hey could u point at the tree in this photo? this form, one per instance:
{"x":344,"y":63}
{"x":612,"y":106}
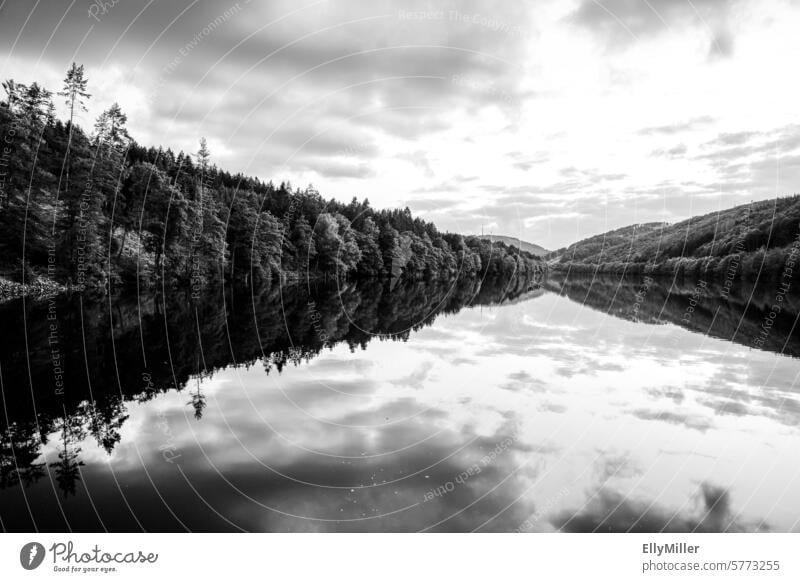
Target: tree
{"x":24,"y":215}
{"x":349,"y":254}
{"x":35,"y":104}
{"x":75,"y":94}
{"x":141,"y":180}
{"x":389,"y":242}
{"x":266,"y":245}
{"x":337,"y":249}
{"x":109,"y":170}
{"x":198,"y":401}
{"x":301,"y":242}
{"x":203,"y":159}
{"x":106,"y":420}
{"x":327,"y":241}
{"x":19,"y":450}
{"x":14,"y":92}
{"x":74,"y":91}
{"x":167,"y":233}
{"x":67,"y":469}
{"x":110,"y":129}
{"x":203,"y":155}
{"x":371,"y":264}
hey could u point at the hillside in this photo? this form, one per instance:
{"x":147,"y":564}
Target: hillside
{"x":739,"y":242}
{"x":620,"y":240}
{"x":511,"y":241}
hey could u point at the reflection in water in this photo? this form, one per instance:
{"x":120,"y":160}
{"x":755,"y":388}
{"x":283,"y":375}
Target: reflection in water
{"x":599,"y":406}
{"x":609,"y":511}
{"x":738,"y":315}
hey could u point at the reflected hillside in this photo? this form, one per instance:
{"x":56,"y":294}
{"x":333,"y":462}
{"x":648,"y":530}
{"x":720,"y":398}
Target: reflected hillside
{"x":742,"y":315}
{"x":69,"y":367}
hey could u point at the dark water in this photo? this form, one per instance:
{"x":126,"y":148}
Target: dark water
{"x":580,"y":405}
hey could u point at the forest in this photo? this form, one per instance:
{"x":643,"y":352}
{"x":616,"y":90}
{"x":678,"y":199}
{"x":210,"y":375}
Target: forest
{"x":760,"y":240}
{"x":98,"y":210}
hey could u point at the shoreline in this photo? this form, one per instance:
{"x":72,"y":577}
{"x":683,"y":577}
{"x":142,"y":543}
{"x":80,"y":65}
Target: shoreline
{"x":44,"y":288}
{"x":39,"y":289}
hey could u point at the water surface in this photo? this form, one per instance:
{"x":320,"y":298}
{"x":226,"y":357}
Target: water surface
{"x":585,"y":405}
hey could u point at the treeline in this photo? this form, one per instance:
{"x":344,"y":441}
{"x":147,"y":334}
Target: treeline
{"x":757,"y":240}
{"x":99,"y":210}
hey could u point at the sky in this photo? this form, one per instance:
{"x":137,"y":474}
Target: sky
{"x":551,"y":120}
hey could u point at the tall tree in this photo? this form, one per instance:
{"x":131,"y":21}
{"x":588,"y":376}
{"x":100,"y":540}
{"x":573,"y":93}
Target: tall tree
{"x":68,"y":467}
{"x":75,"y":94}
{"x":110,"y":130}
{"x":35,"y":104}
{"x":203,"y":159}
{"x":74,"y":90}
{"x":203,"y":156}
{"x":25,"y":182}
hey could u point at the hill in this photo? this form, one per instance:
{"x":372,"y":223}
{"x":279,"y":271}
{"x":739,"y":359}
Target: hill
{"x":588,"y":249}
{"x":511,"y":241}
{"x":744,"y":241}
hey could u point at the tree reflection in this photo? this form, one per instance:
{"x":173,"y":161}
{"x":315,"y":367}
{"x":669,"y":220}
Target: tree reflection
{"x":735,"y":315}
{"x":198,"y":401}
{"x":135,"y":348}
{"x":68,"y":467}
{"x":19,"y":450}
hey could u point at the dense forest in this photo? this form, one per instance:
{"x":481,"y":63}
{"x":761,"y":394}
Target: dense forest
{"x":99,"y":210}
{"x":760,"y":239}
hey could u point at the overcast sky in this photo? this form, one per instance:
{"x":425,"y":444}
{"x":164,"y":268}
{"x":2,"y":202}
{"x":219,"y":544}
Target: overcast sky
{"x":549,"y":120}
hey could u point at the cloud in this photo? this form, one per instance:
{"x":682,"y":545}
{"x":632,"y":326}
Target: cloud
{"x":621,"y":22}
{"x":756,"y":163}
{"x":721,"y":45}
{"x":610,"y":511}
{"x":696,"y":422}
{"x":678,"y":127}
{"x":240,"y":70}
{"x":418,"y":159}
{"x":404,"y":102}
{"x":673,"y":152}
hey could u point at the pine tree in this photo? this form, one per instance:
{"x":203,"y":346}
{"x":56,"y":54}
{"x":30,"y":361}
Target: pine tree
{"x":75,"y":94}
{"x":110,"y":130}
{"x":203,"y":155}
{"x":203,"y":158}
{"x":74,"y":91}
{"x":13,"y":91}
{"x":24,"y":214}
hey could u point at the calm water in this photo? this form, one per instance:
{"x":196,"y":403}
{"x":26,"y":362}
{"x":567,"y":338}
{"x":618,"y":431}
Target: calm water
{"x":576,"y":406}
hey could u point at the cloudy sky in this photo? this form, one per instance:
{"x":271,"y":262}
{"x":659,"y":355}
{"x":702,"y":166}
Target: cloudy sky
{"x":549,"y":120}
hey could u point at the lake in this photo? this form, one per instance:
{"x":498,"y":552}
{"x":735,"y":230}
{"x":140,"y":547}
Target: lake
{"x":572,"y":404}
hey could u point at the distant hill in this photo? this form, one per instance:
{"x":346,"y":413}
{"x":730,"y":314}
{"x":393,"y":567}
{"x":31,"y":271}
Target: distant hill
{"x":515,"y":242}
{"x":621,"y":239}
{"x":741,"y":241}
